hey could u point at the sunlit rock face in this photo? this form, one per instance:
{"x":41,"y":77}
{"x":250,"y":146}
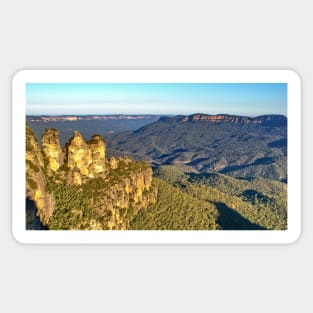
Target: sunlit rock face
{"x":113,"y":163}
{"x":97,"y":147}
{"x":87,"y":157}
{"x":78,"y":154}
{"x":52,"y":149}
{"x":276,"y":120}
{"x":36,"y":181}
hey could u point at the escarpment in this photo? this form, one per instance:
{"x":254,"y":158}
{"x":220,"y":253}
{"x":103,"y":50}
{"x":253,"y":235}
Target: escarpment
{"x":36,"y":180}
{"x":78,"y":188}
{"x":52,"y":149}
{"x":272,"y":120}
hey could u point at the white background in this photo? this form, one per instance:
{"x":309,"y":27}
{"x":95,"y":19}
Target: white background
{"x":155,"y":34}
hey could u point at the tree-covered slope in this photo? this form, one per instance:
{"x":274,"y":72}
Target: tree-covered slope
{"x":241,"y":204}
{"x":175,"y":209}
{"x":242,"y":147}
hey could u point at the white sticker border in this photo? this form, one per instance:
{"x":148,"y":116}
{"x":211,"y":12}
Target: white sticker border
{"x":156,"y":76}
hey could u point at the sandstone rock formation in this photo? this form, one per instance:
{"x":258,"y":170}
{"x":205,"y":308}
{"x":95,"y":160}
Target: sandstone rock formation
{"x":78,"y":154}
{"x":112,"y":192}
{"x":97,"y":148}
{"x":36,"y":182}
{"x":121,"y":200}
{"x":113,"y":163}
{"x":52,"y":149}
{"x":86,"y":157}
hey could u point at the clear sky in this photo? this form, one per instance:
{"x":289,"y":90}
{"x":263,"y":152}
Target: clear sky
{"x":156,"y":98}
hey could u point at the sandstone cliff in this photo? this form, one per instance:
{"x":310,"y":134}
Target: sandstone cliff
{"x":262,"y":120}
{"x":77,"y":188}
{"x":97,"y":148}
{"x":52,"y":149}
{"x":119,"y":196}
{"x":36,"y":182}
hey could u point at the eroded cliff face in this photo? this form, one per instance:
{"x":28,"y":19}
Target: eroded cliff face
{"x":78,"y":154}
{"x":36,"y":182}
{"x":85,"y":159}
{"x":52,"y":149}
{"x":77,"y":188}
{"x":97,"y":148}
{"x":118,"y":199}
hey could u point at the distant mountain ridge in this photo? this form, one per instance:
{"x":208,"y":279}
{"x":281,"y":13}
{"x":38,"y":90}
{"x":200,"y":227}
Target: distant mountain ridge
{"x":237,"y":119}
{"x":88,"y":125}
{"x":60,"y":118}
{"x":241,"y":146}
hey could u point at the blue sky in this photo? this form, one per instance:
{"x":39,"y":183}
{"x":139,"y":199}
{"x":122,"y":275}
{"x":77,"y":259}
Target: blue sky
{"x":156,"y":98}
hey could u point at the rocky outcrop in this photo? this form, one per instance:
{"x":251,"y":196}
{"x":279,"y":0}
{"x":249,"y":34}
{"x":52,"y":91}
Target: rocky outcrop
{"x":52,"y":149}
{"x":97,"y":148}
{"x":123,"y":199}
{"x":113,"y":163}
{"x":85,"y":158}
{"x":113,"y":191}
{"x":78,"y":154}
{"x":36,"y":182}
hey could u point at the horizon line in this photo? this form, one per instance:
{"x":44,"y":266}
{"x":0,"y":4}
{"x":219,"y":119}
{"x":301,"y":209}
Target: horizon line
{"x":153,"y":114}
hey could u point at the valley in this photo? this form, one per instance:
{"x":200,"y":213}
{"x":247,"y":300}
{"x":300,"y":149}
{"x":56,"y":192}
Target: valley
{"x":151,"y":172}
